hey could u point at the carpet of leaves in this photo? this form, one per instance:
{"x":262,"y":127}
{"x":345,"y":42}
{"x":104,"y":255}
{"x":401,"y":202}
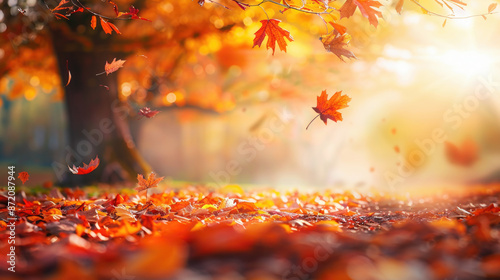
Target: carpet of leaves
{"x":197,"y":233}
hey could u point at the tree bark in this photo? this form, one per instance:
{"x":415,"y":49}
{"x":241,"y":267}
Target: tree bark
{"x":97,"y":120}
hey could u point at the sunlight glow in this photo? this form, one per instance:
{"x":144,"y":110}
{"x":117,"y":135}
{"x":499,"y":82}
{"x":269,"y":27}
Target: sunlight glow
{"x":468,"y":63}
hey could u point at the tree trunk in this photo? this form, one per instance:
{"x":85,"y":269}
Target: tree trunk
{"x":97,"y":120}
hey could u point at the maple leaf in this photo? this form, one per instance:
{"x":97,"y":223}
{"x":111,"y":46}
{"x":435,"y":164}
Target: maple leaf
{"x":151,"y":182}
{"x":86,"y":168}
{"x":274,"y":33}
{"x":113,"y":66}
{"x":147,"y":112}
{"x":23,"y":176}
{"x":328,"y":109}
{"x":336,"y":43}
{"x":366,"y":7}
{"x":133,"y":13}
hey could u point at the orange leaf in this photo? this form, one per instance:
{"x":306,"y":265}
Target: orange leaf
{"x":327,"y":109}
{"x":464,"y":155}
{"x":492,"y":7}
{"x":93,"y":22}
{"x":366,"y":7}
{"x":23,"y":176}
{"x":114,"y":28}
{"x":105,"y":26}
{"x":86,"y":168}
{"x":340,"y":28}
{"x":399,"y":6}
{"x":113,"y":66}
{"x":151,"y":182}
{"x":336,"y":43}
{"x":274,"y":33}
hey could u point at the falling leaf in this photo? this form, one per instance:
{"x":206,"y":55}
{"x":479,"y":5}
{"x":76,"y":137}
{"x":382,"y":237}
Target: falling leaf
{"x":366,"y":7}
{"x":274,"y":33}
{"x":93,"y":22}
{"x":396,"y":149}
{"x":336,"y":43}
{"x":328,"y":109}
{"x":104,"y":86}
{"x":113,"y":66}
{"x":444,"y":23}
{"x":492,"y":7}
{"x":133,"y":14}
{"x":69,"y":74}
{"x":399,"y":6}
{"x":151,"y":182}
{"x":463,"y":155}
{"x":86,"y":168}
{"x":147,"y":112}
{"x":23,"y":176}
{"x":393,"y":130}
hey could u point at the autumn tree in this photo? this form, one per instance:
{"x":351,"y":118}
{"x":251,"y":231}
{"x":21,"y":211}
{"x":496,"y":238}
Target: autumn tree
{"x":72,"y":41}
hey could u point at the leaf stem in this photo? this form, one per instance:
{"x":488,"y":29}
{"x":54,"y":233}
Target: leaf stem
{"x":311,"y":121}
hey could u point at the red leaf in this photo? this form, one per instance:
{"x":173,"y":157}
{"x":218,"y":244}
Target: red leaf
{"x":274,"y":33}
{"x":464,"y":155}
{"x":243,"y":6}
{"x":115,"y":7}
{"x":336,"y":43}
{"x":133,"y":13}
{"x":151,"y":182}
{"x":328,"y":109}
{"x":86,"y":168}
{"x":113,"y":66}
{"x":146,"y":112}
{"x":23,"y":176}
{"x":93,"y":22}
{"x":366,"y":7}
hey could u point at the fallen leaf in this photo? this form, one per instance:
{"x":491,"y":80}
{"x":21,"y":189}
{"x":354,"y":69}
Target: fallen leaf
{"x":151,"y":182}
{"x":23,"y":176}
{"x":336,"y":43}
{"x":86,"y":168}
{"x":328,"y":109}
{"x":274,"y":33}
{"x":113,"y":66}
{"x":366,"y":7}
{"x":147,"y":112}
